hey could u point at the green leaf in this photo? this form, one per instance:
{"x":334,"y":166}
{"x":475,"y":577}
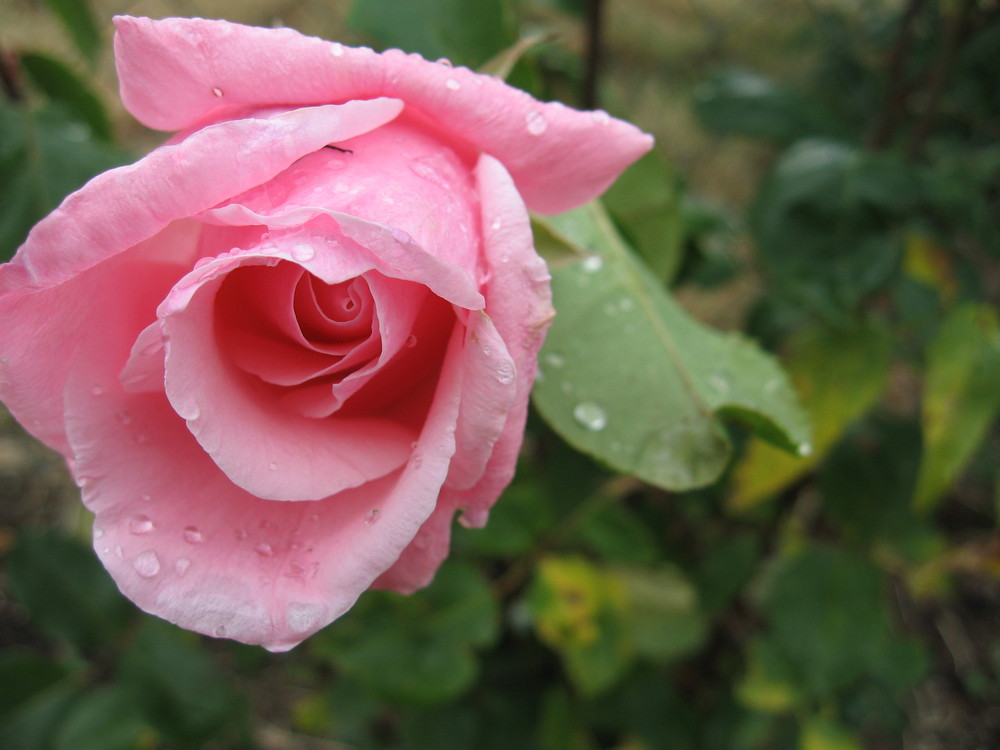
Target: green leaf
{"x":627,"y":376}
{"x":80,"y":23}
{"x":767,"y":685}
{"x":823,"y":603}
{"x":466,"y":33}
{"x":180,"y":690}
{"x":61,"y":84}
{"x":727,"y":566}
{"x":106,"y":718}
{"x":645,"y":203}
{"x":737,"y":102}
{"x":67,"y":592}
{"x":820,"y":733}
{"x":417,"y":649}
{"x":579,"y":610}
{"x":839,"y":374}
{"x":826,"y":223}
{"x":33,"y":724}
{"x":615,"y":532}
{"x":45,"y":155}
{"x":662,"y":612}
{"x":960,"y":397}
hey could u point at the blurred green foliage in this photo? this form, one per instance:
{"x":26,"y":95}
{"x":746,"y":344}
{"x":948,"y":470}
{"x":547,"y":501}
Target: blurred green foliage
{"x":689,"y":583}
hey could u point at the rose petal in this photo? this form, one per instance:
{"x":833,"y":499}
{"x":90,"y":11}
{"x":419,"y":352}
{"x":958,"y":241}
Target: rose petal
{"x":266,"y":449}
{"x":177,"y":73}
{"x":519,"y":302}
{"x":193,"y":548}
{"x":122,"y":207}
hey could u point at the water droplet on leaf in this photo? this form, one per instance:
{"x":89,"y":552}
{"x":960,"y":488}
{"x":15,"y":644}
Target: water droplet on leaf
{"x":591,"y":416}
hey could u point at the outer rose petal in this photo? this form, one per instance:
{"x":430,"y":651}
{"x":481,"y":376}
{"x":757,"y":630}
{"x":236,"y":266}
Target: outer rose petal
{"x":178,"y":73}
{"x":518,"y":301}
{"x":44,"y":322}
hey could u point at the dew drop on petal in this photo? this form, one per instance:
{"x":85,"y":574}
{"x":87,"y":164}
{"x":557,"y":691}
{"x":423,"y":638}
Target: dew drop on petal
{"x":505,"y":373}
{"x":96,"y":390}
{"x":98,"y":532}
{"x":141,"y":525}
{"x":272,"y":466}
{"x":371,"y":517}
{"x":590,"y":416}
{"x":400,"y":236}
{"x":452,"y":84}
{"x":536,"y":122}
{"x":304,"y":617}
{"x":181,"y":565}
{"x":264,"y":550}
{"x":496,"y":225}
{"x":411,"y":341}
{"x":600,"y":116}
{"x":192,"y":535}
{"x":303,"y":252}
{"x":217,"y":92}
{"x":337,"y":49}
{"x":220,"y":631}
{"x":147,"y":564}
{"x":119,"y":552}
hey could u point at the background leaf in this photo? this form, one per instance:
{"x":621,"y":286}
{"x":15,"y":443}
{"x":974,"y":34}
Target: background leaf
{"x":80,"y":24}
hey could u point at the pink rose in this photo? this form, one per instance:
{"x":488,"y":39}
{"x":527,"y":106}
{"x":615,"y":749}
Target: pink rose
{"x":282,"y":351}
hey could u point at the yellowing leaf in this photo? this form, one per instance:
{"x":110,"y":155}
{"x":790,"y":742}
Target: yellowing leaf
{"x":822,"y":734}
{"x":961,"y":396}
{"x":838,"y":375}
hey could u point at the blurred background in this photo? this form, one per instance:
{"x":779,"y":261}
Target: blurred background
{"x":826,"y":181}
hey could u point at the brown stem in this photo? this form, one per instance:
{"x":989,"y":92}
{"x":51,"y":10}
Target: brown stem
{"x":595,"y":12}
{"x":10,"y":77}
{"x":897,"y":87}
{"x":940,"y":73}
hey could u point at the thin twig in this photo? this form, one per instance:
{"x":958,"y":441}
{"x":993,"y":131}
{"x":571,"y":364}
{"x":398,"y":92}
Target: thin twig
{"x":595,"y":13}
{"x":897,"y":87}
{"x":940,"y":73}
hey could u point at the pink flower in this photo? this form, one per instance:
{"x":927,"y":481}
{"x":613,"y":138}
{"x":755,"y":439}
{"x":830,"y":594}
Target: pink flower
{"x":282,"y":351}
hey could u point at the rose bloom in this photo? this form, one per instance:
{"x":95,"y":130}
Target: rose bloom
{"x":282,"y":351}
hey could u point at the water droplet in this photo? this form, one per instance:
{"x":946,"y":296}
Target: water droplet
{"x":147,"y":564}
{"x":804,"y":449}
{"x":593,"y":263}
{"x":193,"y":413}
{"x":625,"y":304}
{"x":220,"y":631}
{"x":124,"y":418}
{"x":591,"y":416}
{"x":217,"y":91}
{"x":452,"y":85}
{"x":429,"y":168}
{"x":181,"y":565}
{"x":496,"y":225}
{"x":96,"y":390}
{"x":444,"y":61}
{"x":272,"y":466}
{"x":555,"y":360}
{"x":119,"y":552}
{"x":718,"y":382}
{"x":411,"y":341}
{"x":371,"y":517}
{"x":240,"y":534}
{"x":337,"y":49}
{"x":192,"y":535}
{"x":264,"y":550}
{"x":304,"y":617}
{"x":505,"y":373}
{"x":141,"y":525}
{"x":303,"y":252}
{"x":400,"y":236}
{"x":600,"y":116}
{"x":98,"y":532}
{"x":312,"y":517}
{"x":537,"y":124}
{"x":417,"y":461}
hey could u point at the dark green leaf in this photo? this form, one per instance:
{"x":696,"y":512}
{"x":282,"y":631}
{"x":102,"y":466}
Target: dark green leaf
{"x":737,"y":102}
{"x":180,"y":690}
{"x":25,"y":676}
{"x":80,"y":23}
{"x":67,"y":592}
{"x":103,"y":719}
{"x":466,"y":33}
{"x":61,"y":84}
